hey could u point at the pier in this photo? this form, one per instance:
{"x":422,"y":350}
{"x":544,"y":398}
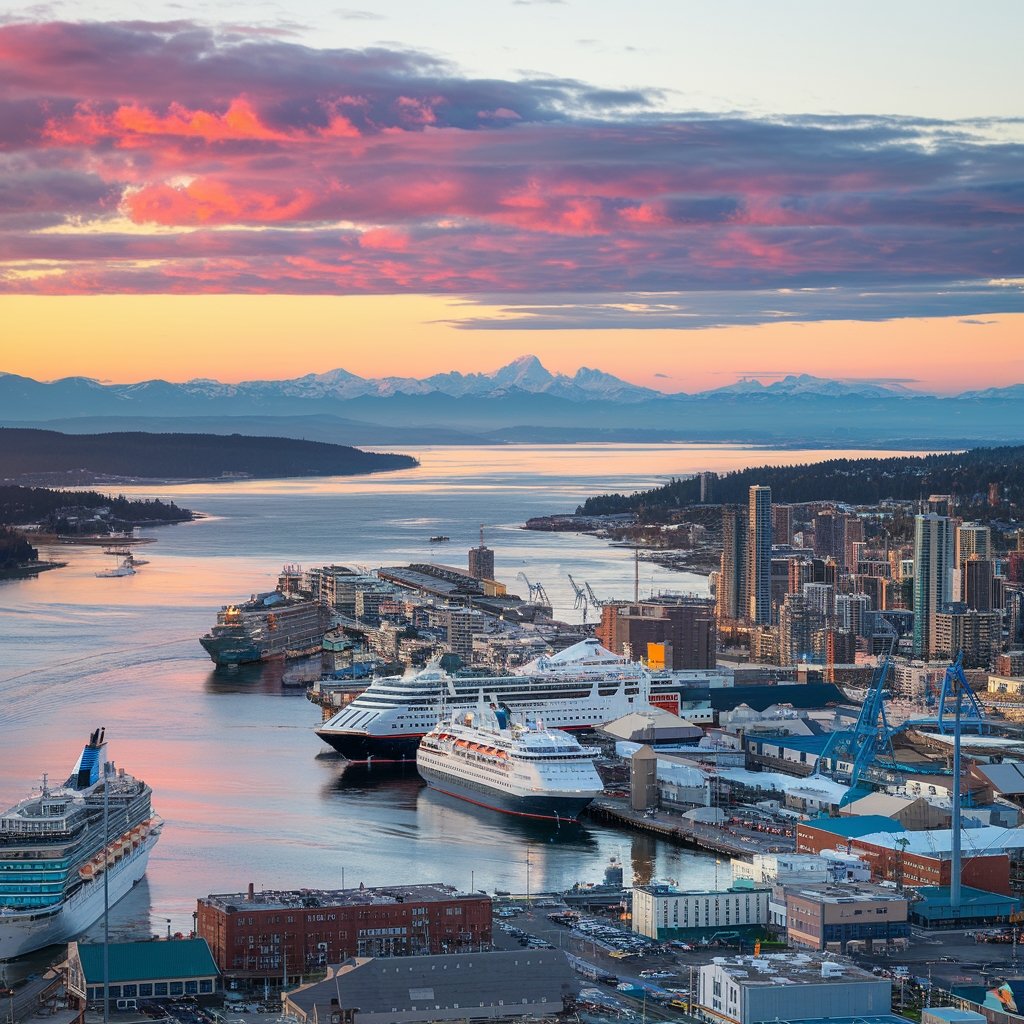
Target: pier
{"x":735,"y":841}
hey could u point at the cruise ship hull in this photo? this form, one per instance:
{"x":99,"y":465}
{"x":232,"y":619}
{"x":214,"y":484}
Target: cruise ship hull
{"x":549,"y":806}
{"x":22,"y":931}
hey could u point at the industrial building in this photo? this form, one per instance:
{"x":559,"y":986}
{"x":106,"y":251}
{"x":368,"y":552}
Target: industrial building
{"x":479,"y":986}
{"x":831,"y":916}
{"x":274,"y":934}
{"x":788,"y":987}
{"x":665,"y":912}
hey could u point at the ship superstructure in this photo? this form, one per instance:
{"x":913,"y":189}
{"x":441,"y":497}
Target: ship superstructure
{"x":55,"y":851}
{"x":578,"y":688}
{"x":520,"y":768}
{"x":265,"y":626}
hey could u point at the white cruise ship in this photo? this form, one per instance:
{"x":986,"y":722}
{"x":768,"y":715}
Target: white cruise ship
{"x":526,"y":770}
{"x":54,"y":852}
{"x":583,"y":686}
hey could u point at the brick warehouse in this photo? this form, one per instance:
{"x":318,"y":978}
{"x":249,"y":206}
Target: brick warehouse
{"x":273,"y":934}
{"x":989,"y":872}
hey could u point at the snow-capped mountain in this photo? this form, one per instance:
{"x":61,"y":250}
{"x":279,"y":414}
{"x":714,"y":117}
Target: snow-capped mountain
{"x":526,"y":374}
{"x":821,"y":387}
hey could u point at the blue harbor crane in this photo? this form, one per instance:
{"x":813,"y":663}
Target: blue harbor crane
{"x":955,"y":687}
{"x":869,"y":744}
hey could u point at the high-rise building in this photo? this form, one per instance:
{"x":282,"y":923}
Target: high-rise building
{"x":1020,"y":540}
{"x":481,"y":560}
{"x":977,"y":576}
{"x":995,"y":494}
{"x":972,"y":539}
{"x":939,"y":505}
{"x":686,"y":626}
{"x":854,"y":547}
{"x":820,"y":598}
{"x":800,"y":572}
{"x":1013,"y":604}
{"x":759,"y":555}
{"x":933,"y":570}
{"x":707,"y":487}
{"x":852,"y":612}
{"x":460,"y":633}
{"x":830,"y":534}
{"x":782,"y":524}
{"x":797,"y":625}
{"x":961,"y":629}
{"x":732,"y":583}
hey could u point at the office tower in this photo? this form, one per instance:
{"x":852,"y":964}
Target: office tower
{"x":685,"y":625}
{"x":759,"y":555}
{"x":481,"y":560}
{"x":782,"y":524}
{"x":732,"y":583}
{"x":853,"y":547}
{"x":1013,"y":603}
{"x":977,"y":576}
{"x":830,"y":534}
{"x":797,"y":625}
{"x":933,"y":565}
{"x":707,"y":487}
{"x":873,"y":586}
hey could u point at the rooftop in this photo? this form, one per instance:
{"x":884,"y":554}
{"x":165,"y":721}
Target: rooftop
{"x":146,"y":961}
{"x":855,"y":828}
{"x":862,"y":892}
{"x":790,"y":969}
{"x":671,"y":890}
{"x":312,"y":898}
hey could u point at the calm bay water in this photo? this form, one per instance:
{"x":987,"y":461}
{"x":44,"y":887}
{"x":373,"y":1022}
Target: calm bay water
{"x":247,"y":790}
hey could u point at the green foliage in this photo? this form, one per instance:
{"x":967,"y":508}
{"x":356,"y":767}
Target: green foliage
{"x":857,"y":481}
{"x":15,"y":549}
{"x":36,"y":504}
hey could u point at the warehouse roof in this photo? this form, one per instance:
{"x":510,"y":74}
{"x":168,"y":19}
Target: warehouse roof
{"x":411,"y":984}
{"x":146,"y":961}
{"x":856,"y":828}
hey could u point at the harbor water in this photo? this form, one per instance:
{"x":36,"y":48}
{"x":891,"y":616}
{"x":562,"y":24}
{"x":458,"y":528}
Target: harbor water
{"x":248,"y":792}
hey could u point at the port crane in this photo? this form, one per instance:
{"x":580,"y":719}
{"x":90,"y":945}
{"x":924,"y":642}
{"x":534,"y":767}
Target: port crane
{"x":593,"y":597}
{"x":582,"y":601}
{"x":538,"y":595}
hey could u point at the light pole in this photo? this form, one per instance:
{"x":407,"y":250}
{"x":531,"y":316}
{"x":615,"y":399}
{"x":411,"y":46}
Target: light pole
{"x":106,"y":892}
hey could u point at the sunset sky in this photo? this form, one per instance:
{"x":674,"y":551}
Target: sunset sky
{"x":675,"y":194}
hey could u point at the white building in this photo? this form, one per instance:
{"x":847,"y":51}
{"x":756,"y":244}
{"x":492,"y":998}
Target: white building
{"x":665,"y":912}
{"x":782,"y":869}
{"x":787,"y":987}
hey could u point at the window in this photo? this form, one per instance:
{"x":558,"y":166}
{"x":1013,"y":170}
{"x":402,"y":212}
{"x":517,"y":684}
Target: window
{"x":177,"y":988}
{"x":160,"y":988}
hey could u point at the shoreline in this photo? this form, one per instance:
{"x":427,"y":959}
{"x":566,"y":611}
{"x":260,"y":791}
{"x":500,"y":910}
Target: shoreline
{"x":27,"y":569}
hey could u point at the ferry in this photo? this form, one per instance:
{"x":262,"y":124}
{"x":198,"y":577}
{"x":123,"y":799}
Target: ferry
{"x":581,"y":687}
{"x":523,"y":769}
{"x":56,"y":857}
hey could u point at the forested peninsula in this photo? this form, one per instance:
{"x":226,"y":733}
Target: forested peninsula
{"x":54,"y":459}
{"x":855,"y":481}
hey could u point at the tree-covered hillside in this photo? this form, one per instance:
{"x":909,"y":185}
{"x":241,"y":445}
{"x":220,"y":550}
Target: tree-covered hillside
{"x":857,"y":481}
{"x":28,"y":453}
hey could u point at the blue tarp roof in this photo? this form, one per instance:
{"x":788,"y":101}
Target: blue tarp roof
{"x":854,"y":828}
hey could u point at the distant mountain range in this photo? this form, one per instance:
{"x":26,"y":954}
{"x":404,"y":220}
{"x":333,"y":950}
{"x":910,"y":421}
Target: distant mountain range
{"x":523,"y":401}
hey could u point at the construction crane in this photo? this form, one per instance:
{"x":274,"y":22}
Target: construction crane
{"x":582,"y":602}
{"x":870,"y":741}
{"x":538,"y":595}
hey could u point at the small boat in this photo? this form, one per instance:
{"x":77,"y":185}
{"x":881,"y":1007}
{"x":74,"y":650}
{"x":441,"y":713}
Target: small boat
{"x":124,"y":568}
{"x":439,"y":539}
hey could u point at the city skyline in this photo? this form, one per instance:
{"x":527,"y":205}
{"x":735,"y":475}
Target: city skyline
{"x":265,"y":198}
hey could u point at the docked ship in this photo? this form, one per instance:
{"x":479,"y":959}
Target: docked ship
{"x":517,"y":768}
{"x":583,"y":686}
{"x":56,"y":857}
{"x":266,"y":626}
